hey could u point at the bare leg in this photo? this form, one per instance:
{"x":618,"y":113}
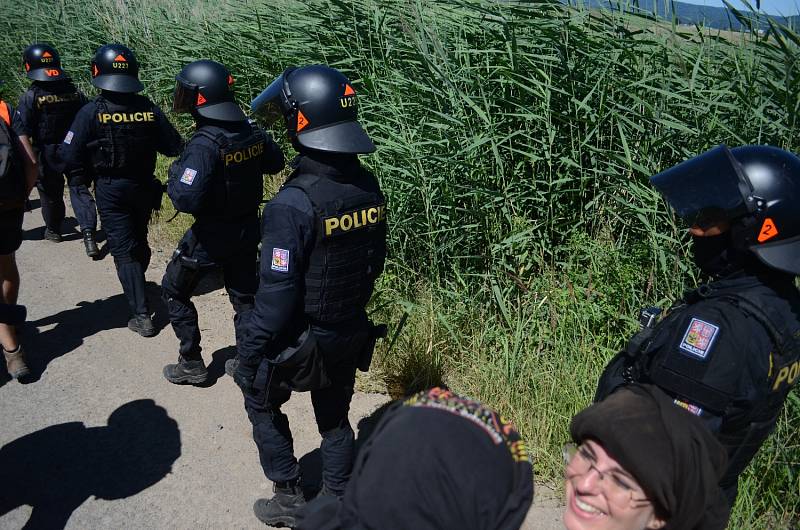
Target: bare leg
{"x":9,"y":275}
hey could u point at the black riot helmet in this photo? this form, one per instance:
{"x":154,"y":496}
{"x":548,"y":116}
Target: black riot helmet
{"x":755,"y":187}
{"x":42,"y":63}
{"x":320,"y":109}
{"x":206,"y":88}
{"x":115,"y":68}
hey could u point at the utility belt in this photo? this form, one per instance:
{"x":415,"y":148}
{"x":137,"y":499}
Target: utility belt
{"x":300,"y":367}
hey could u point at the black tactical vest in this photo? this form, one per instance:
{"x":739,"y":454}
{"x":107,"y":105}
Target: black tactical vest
{"x":742,"y":426}
{"x":241,"y":187}
{"x":54,"y":110}
{"x":350,"y":245}
{"x":126,"y":138}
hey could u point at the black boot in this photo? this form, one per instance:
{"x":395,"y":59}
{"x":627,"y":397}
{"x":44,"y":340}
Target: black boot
{"x":91,"y":245}
{"x":231,"y":365}
{"x":281,"y":509}
{"x":192,"y":371}
{"x":52,"y":235}
{"x":142,"y":325}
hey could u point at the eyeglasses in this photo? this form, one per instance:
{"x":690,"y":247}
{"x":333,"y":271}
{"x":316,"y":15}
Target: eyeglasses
{"x":618,"y":487}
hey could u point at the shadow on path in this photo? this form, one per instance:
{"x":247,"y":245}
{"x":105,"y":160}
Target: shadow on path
{"x":71,"y":327}
{"x":58,"y":468}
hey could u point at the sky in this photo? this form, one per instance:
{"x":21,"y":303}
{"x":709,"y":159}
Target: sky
{"x":773,"y":7}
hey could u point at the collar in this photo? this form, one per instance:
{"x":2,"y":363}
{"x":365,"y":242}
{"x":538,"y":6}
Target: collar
{"x":333,"y":166}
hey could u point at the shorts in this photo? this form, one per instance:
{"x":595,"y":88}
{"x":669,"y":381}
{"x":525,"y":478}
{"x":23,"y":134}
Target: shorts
{"x":10,"y":231}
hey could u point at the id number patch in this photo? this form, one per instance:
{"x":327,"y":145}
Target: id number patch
{"x":188,"y":176}
{"x":280,"y":260}
{"x":699,"y":338}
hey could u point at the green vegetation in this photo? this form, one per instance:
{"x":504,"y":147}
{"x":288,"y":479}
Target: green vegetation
{"x":515,"y":143}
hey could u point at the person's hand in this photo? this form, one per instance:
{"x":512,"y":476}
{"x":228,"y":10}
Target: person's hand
{"x":245,"y":376}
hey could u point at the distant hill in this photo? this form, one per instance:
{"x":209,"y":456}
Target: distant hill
{"x":714,"y":17}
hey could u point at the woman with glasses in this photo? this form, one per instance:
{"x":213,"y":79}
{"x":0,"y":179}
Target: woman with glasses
{"x":640,"y":462}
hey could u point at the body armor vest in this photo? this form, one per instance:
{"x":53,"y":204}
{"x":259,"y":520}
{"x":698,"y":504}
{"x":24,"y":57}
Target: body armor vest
{"x":126,"y":143}
{"x":741,"y":427}
{"x":240,"y":190}
{"x":350,"y":246}
{"x":55,"y":110}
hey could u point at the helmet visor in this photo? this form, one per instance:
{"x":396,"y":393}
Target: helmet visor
{"x":267,"y":106}
{"x":183,"y":98}
{"x":707,"y":188}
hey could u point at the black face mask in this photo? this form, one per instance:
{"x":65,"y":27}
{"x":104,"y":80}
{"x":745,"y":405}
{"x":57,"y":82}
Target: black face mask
{"x":713,"y":254}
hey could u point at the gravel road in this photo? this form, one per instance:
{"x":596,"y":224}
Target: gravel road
{"x":98,"y":438}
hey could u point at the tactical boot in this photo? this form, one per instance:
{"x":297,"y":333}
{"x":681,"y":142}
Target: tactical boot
{"x":231,"y":365}
{"x":280,"y":510}
{"x":15,"y":363}
{"x":52,"y":235}
{"x":142,"y":325}
{"x":91,"y":245}
{"x":327,"y":492}
{"x":189,"y":371}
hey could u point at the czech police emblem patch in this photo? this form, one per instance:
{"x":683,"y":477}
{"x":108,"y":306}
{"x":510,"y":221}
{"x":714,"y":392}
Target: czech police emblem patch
{"x":188,"y":176}
{"x":280,"y":260}
{"x":699,"y":338}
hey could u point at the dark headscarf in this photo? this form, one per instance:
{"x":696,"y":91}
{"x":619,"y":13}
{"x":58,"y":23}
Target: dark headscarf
{"x":672,"y":455}
{"x":436,"y":460}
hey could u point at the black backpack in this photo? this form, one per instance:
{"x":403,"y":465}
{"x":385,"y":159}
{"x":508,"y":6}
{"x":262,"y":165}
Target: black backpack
{"x":10,"y":178}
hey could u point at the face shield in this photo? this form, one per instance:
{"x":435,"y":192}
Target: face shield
{"x":708,"y":188}
{"x":184,"y":96}
{"x":270,"y":104}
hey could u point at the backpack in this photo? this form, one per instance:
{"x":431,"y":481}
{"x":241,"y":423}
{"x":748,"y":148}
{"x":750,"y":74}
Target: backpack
{"x":10,"y":177}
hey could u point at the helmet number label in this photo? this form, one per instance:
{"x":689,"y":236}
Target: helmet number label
{"x":768,"y":230}
{"x":120,"y":66}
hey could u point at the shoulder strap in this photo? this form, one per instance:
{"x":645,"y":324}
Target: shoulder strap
{"x":214,"y":134}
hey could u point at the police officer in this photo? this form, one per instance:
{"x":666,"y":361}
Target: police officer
{"x":218,"y":179}
{"x":17,"y":177}
{"x":45,"y":112}
{"x":729,"y":351}
{"x":117,"y":135}
{"x":323,"y":246}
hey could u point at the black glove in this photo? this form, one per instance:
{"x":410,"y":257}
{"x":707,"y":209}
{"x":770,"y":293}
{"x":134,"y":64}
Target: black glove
{"x":245,"y":376}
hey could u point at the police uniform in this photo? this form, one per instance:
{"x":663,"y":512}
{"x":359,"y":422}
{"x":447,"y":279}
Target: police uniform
{"x":12,"y":186}
{"x":729,"y":351}
{"x":323,"y":246}
{"x":46,"y":111}
{"x":117,"y":136}
{"x":218,"y":179}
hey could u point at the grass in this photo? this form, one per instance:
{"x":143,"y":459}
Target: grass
{"x":515,"y":140}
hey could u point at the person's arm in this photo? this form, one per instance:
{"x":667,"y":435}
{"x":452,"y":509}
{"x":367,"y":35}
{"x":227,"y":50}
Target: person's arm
{"x":190,"y":177}
{"x":169,"y":141}
{"x":287,"y":237}
{"x":273,"y":160}
{"x":72,"y":151}
{"x":19,"y":125}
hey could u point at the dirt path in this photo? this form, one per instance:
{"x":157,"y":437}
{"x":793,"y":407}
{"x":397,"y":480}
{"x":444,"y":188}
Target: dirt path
{"x":98,"y":439}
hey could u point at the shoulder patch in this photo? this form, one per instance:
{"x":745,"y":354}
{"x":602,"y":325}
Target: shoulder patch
{"x":68,"y":138}
{"x":280,"y":260}
{"x":699,"y":338}
{"x":188,"y":176}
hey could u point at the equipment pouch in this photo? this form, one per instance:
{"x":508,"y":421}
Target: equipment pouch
{"x":186,"y":270}
{"x":364,"y":359}
{"x":301,"y":366}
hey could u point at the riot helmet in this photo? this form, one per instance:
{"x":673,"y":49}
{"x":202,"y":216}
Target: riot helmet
{"x":42,"y":63}
{"x":115,"y":69}
{"x":205,"y":87}
{"x":755,"y":188}
{"x":320,"y":109}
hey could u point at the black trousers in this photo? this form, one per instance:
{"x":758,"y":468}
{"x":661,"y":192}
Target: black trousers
{"x":206,"y":246}
{"x":51,"y":192}
{"x":125,"y":208}
{"x":271,"y":433}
